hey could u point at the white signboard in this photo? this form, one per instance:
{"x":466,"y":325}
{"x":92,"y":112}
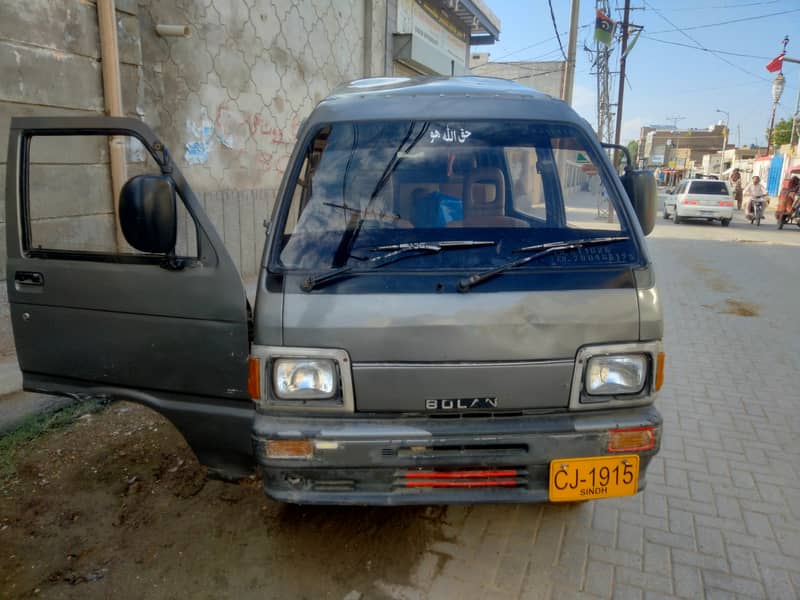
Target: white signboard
{"x":435,"y":26}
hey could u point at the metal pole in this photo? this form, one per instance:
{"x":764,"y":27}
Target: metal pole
{"x":771,"y":126}
{"x":794,"y":119}
{"x":571,"y":51}
{"x":112,"y":93}
{"x":724,"y":140}
{"x":724,"y":146}
{"x":622,"y":59}
{"x":797,"y":104}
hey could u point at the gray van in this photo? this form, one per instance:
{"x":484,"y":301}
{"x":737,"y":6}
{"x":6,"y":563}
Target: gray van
{"x":455,"y":303}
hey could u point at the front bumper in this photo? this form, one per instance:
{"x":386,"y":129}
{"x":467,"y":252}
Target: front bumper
{"x":365,"y":460}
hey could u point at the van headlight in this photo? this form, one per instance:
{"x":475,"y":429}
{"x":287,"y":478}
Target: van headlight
{"x":304,"y":378}
{"x":612,"y":375}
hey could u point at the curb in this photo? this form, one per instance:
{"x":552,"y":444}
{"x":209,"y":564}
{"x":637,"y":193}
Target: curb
{"x":10,"y":376}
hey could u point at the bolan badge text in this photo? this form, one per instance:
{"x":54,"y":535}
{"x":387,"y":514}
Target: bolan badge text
{"x":460,"y":403}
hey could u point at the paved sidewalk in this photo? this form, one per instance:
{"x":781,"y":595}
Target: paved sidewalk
{"x":720,"y":517}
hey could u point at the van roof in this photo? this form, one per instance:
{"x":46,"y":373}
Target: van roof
{"x":427,"y":86}
{"x":440,"y":98}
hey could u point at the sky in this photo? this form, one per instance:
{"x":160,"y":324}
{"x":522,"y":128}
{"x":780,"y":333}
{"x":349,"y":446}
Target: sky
{"x":664,"y":79}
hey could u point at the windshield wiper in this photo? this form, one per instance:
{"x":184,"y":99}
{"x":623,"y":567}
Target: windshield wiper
{"x":354,"y":227}
{"x":539,"y":251}
{"x":394,"y":252}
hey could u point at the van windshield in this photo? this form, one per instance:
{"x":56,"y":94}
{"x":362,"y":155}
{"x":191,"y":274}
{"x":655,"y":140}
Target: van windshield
{"x":366,"y":185}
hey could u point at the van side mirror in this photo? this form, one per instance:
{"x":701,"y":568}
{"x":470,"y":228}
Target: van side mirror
{"x":148,"y":213}
{"x":643,"y":193}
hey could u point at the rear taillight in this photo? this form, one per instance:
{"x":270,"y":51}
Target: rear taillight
{"x":725,"y":203}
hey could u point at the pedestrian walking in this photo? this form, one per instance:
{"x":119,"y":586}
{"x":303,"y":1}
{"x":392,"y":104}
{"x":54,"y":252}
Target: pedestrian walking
{"x":736,"y":184}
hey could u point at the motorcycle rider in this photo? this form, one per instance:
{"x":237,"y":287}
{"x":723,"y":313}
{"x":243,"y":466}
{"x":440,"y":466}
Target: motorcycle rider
{"x":788,"y":198}
{"x":754,"y":191}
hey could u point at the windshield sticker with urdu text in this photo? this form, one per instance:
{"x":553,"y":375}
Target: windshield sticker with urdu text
{"x":449,"y":135}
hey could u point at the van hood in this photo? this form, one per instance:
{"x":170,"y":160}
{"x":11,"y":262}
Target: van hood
{"x":408,"y":348}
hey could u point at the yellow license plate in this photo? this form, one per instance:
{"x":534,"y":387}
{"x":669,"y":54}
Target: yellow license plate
{"x":593,"y":477}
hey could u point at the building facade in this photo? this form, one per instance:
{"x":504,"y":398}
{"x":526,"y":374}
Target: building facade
{"x":227,"y":96}
{"x":546,"y":76}
{"x":660,"y":147}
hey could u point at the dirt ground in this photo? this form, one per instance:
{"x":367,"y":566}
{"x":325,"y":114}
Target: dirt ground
{"x":117,"y":506}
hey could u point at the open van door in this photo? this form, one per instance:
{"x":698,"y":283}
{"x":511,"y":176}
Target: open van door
{"x":149,"y":308}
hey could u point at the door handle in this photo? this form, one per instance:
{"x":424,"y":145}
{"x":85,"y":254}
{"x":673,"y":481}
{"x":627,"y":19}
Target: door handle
{"x":29,"y":278}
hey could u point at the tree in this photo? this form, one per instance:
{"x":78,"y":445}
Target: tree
{"x":633,"y":148}
{"x":781,"y":133}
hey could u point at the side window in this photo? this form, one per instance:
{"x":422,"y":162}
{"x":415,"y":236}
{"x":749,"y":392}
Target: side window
{"x":537,"y":180}
{"x":70,"y":204}
{"x":586,"y":198}
{"x":303,"y":187}
{"x":526,"y":182}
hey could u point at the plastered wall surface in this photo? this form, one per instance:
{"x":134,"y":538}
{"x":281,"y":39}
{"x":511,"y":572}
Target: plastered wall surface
{"x":227,"y":101}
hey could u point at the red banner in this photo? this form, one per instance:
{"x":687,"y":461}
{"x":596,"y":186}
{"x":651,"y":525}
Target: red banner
{"x":776,"y":64}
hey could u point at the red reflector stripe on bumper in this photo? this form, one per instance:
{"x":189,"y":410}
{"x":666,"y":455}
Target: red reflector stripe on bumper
{"x":460,"y":474}
{"x":461,"y":484}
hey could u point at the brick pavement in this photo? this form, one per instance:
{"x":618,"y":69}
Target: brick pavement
{"x":720,"y":517}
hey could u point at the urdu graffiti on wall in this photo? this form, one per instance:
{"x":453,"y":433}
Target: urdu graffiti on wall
{"x":231,"y":128}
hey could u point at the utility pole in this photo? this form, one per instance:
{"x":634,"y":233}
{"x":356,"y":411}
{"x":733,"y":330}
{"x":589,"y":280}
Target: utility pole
{"x":602,"y":53}
{"x":622,"y":60}
{"x":675,"y":119}
{"x":569,"y":77}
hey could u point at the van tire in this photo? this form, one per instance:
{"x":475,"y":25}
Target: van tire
{"x":725,"y":222}
{"x":666,"y":213}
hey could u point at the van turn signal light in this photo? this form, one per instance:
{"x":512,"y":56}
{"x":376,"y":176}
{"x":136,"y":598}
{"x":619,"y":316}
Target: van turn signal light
{"x":660,"y":371}
{"x":289,"y":449}
{"x":637,"y":439}
{"x":254,"y":378}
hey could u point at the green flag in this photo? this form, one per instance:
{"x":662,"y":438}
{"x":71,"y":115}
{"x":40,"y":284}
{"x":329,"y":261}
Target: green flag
{"x":604,"y":29}
{"x":633,"y":35}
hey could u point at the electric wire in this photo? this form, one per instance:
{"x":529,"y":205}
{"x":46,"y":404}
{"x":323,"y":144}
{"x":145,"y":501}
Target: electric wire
{"x":555,"y":28}
{"x":722,"y":6}
{"x":647,"y":37}
{"x":539,"y":43}
{"x":700,"y":46}
{"x":719,"y":23}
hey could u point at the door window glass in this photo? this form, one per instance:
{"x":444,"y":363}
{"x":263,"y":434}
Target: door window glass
{"x":71,"y":206}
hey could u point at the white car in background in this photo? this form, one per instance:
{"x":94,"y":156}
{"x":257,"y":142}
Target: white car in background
{"x":708,"y":199}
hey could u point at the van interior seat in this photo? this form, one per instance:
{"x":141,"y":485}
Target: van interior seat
{"x":484,"y":200}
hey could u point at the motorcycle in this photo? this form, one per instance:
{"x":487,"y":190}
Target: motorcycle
{"x":758,"y":203}
{"x":792,"y":216}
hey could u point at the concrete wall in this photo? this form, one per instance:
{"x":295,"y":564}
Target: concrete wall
{"x":227,"y":101}
{"x":49,"y":65}
{"x":542,"y":76}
